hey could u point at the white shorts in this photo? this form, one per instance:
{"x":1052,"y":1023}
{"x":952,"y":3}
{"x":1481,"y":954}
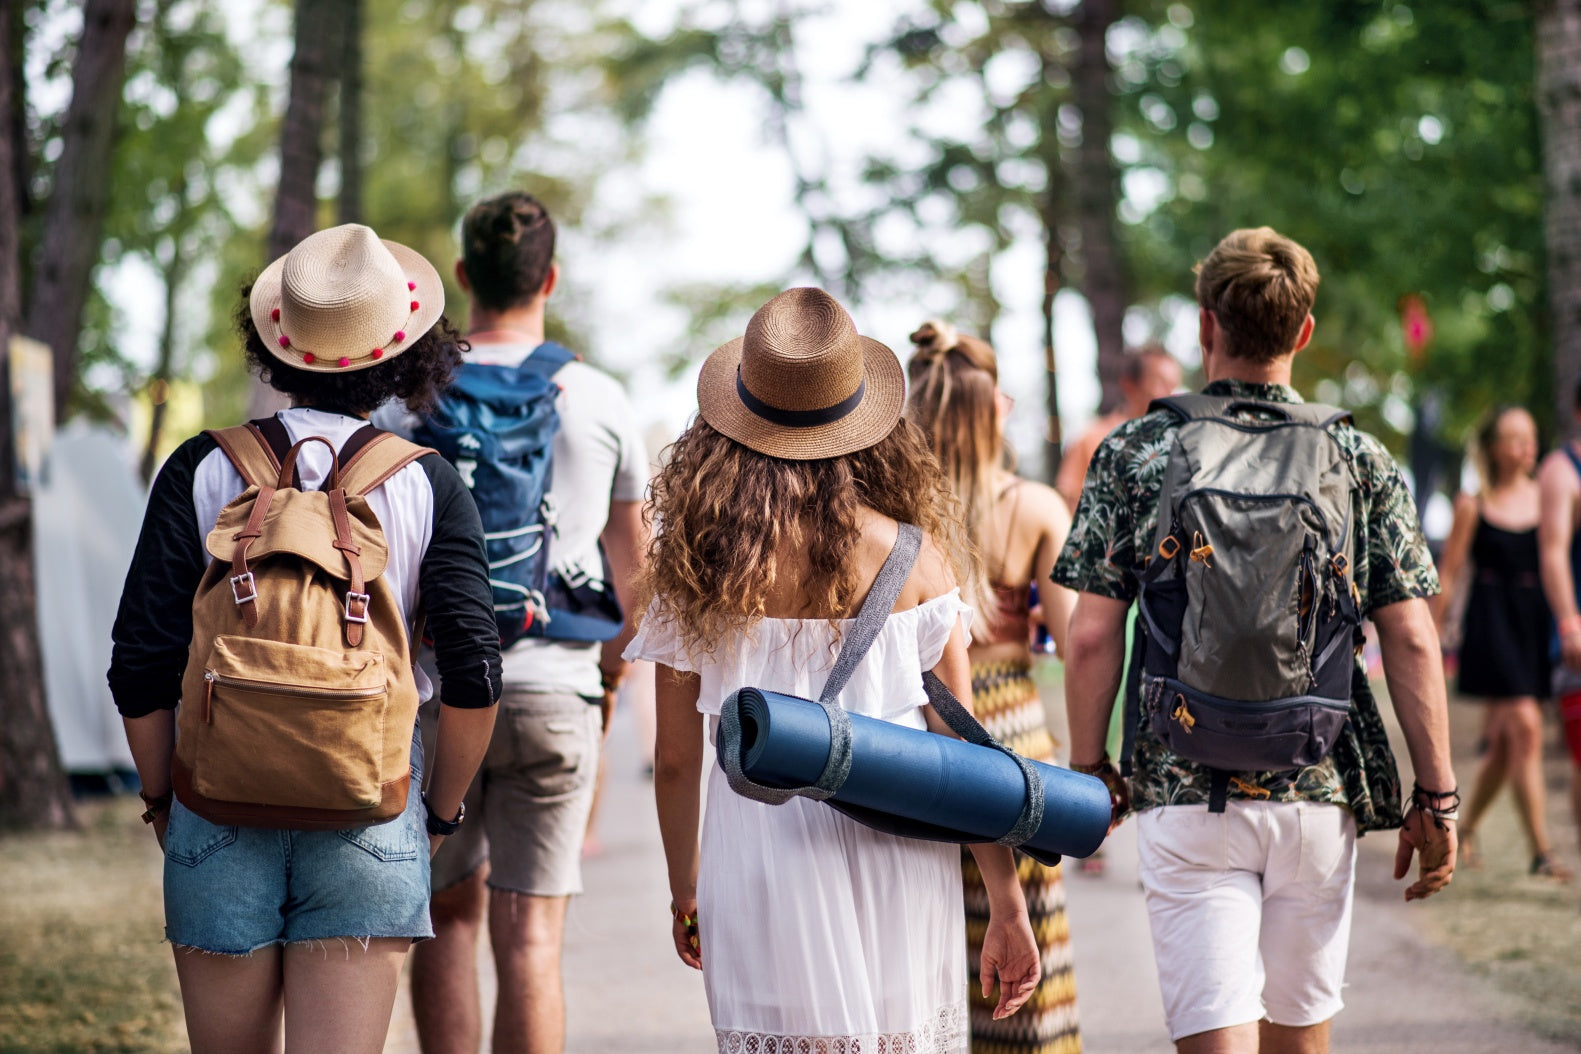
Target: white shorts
{"x":1250,"y":910}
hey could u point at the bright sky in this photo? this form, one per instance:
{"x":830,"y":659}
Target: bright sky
{"x":732,"y":219}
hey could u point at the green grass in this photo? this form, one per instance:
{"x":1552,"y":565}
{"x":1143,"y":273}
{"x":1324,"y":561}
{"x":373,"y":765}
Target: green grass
{"x":83,"y":966}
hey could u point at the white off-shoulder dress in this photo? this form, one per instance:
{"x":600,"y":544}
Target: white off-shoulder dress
{"x":819,"y":934}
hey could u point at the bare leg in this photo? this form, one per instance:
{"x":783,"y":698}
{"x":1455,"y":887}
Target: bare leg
{"x":339,"y":994}
{"x":1524,"y":735}
{"x":1237,"y":1039}
{"x":1490,"y":772}
{"x":1290,"y":1039}
{"x":232,"y":1002}
{"x":444,"y":983}
{"x":527,"y":933}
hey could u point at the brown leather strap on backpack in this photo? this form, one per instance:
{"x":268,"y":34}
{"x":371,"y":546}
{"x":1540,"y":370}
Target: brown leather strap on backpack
{"x":355,"y":611}
{"x":382,"y":456}
{"x":249,"y":452}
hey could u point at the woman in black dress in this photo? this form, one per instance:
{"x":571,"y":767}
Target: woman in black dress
{"x":1505,"y":636}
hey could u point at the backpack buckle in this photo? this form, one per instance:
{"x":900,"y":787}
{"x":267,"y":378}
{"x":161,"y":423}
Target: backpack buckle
{"x":1169,"y":547}
{"x":357,"y":606}
{"x":244,"y":581}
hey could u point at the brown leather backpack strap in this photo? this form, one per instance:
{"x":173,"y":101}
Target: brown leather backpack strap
{"x":355,"y":611}
{"x":246,"y":448}
{"x":379,"y":458}
{"x":243,"y":586}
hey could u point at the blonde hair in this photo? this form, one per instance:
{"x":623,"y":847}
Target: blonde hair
{"x":1260,"y":287}
{"x":730,"y":515}
{"x":954,"y":380}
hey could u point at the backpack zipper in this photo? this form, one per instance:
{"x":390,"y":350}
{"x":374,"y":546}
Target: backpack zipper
{"x":1302,"y":498}
{"x":210,"y":679}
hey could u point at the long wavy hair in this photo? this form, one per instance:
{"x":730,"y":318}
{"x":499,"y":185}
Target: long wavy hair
{"x":729,"y":516}
{"x":954,"y":401}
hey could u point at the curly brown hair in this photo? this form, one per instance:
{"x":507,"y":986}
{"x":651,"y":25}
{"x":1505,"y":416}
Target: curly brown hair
{"x":728,"y":513}
{"x":417,"y":376}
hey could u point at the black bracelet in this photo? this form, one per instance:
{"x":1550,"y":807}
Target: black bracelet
{"x":1426,"y":801}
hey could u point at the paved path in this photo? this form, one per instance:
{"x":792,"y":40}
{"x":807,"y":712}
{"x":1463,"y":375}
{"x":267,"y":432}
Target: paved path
{"x":627,"y":993}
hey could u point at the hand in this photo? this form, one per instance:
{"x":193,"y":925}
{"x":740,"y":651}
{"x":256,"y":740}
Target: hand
{"x":683,"y":931}
{"x":1010,"y":954}
{"x":1570,"y":650}
{"x":434,"y":842}
{"x":160,"y":825}
{"x":1119,"y":792}
{"x":1421,"y":833}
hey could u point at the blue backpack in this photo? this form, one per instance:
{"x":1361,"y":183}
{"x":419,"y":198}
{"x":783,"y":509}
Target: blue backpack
{"x":497,"y":425}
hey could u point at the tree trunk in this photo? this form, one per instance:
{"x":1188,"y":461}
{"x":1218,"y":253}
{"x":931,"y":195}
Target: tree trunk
{"x":175,"y":275}
{"x":1559,"y":103}
{"x":1053,"y":434}
{"x":313,"y":70}
{"x":80,"y":197}
{"x":1097,"y":195}
{"x":349,"y":208}
{"x":33,"y":790}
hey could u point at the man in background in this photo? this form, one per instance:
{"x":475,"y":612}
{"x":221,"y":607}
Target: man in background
{"x":1149,"y":373}
{"x":518,"y":858}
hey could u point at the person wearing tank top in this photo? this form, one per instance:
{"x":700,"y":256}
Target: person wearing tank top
{"x":1019,"y":527}
{"x":1559,"y":553}
{"x":1490,"y":561}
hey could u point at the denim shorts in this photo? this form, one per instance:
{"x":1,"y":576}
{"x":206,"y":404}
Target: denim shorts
{"x":233,"y":890}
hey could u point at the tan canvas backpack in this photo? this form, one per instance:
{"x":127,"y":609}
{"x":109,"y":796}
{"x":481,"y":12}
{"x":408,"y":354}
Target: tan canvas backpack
{"x":299,"y":698}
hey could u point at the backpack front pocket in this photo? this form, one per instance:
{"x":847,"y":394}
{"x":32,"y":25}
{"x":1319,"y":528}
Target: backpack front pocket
{"x":290,"y":725}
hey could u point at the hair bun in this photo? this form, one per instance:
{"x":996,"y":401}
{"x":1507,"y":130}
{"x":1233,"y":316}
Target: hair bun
{"x":935,"y":337}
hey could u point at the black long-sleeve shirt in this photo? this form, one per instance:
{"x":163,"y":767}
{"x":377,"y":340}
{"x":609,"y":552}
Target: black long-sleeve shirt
{"x":153,"y":626}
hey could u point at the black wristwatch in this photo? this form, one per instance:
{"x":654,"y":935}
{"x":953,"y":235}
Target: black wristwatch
{"x":441,"y":826}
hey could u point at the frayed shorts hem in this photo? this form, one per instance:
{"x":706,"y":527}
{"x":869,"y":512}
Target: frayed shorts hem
{"x":188,"y":948}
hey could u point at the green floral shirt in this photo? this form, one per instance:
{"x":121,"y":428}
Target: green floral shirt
{"x":1115,"y":522}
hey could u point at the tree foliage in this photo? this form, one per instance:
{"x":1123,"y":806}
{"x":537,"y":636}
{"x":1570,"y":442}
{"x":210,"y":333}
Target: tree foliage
{"x":1398,"y":142}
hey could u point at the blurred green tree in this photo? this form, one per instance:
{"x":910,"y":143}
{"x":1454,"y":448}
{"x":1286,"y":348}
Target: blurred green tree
{"x":1398,"y":142}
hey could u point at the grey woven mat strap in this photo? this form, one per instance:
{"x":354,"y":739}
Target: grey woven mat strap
{"x":963,"y":724}
{"x":870,"y":620}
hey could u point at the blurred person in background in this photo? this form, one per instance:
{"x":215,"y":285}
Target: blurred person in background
{"x":1018,"y":526}
{"x":1559,"y":549}
{"x":1149,"y":373}
{"x":1505,"y":635}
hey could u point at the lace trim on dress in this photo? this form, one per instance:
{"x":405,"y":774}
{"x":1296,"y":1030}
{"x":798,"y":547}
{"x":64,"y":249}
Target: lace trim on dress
{"x":945,"y":1034}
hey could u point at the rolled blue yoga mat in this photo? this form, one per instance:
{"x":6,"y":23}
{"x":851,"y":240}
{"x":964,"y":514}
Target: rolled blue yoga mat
{"x":917,"y":775}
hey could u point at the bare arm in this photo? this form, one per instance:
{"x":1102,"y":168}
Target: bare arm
{"x":1093,"y":668}
{"x":152,"y":739}
{"x":677,"y":776}
{"x":1557,"y":490}
{"x":1452,"y":564}
{"x":1009,"y":948}
{"x":625,"y":540}
{"x":463,"y":740}
{"x":1415,"y":675}
{"x":1054,"y":602}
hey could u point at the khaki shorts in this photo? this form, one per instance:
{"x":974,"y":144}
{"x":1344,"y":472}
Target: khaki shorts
{"x":527,"y":809}
{"x":1250,"y":911}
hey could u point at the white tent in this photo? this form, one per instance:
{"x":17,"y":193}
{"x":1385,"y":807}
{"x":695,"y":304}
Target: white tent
{"x":86,"y":512}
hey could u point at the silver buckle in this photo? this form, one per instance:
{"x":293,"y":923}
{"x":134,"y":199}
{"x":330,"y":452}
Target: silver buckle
{"x":241,"y":581}
{"x":350,"y":597}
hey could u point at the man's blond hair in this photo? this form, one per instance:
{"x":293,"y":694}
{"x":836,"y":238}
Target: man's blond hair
{"x":1260,"y":287}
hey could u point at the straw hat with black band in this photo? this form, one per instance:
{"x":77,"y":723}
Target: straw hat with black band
{"x":344,"y":300}
{"x":802,"y":384}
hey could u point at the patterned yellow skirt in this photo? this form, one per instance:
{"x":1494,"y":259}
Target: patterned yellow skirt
{"x":1006,"y":701}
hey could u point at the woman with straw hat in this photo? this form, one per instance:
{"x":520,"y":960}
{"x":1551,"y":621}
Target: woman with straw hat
{"x":779,"y":504}
{"x":1019,"y":527}
{"x":290,"y":930}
